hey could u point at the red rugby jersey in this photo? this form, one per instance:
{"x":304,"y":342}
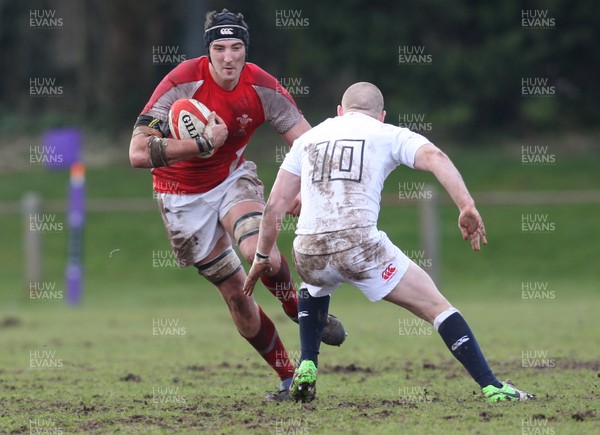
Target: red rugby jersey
{"x":257,"y":98}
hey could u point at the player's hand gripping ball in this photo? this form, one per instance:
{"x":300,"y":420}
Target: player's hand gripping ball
{"x":189,"y":118}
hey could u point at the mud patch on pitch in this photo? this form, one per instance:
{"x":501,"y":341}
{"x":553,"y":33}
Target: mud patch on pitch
{"x":497,"y":365}
{"x":145,"y":421}
{"x":351,"y":368}
{"x":559,"y":363}
{"x":10,"y":321}
{"x":577,"y":365}
{"x":374,"y":410}
{"x":488,"y":416}
{"x":584,"y":415}
{"x":196,"y":368}
{"x":130,"y":377}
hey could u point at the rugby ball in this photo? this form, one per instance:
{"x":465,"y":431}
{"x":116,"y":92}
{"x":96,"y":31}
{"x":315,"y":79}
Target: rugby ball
{"x":188,"y":118}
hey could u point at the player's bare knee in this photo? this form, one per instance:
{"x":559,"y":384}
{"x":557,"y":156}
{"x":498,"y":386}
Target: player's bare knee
{"x":221,"y":268}
{"x":235,"y":301}
{"x":243,"y":312}
{"x":248,"y":251}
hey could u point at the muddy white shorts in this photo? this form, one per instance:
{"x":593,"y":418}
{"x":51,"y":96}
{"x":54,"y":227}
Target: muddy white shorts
{"x":193,"y":221}
{"x":362,"y":257}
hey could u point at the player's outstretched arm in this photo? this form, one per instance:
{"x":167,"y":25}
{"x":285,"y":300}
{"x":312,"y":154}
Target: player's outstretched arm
{"x":431,"y":158}
{"x":290,"y":136}
{"x":285,"y":189}
{"x":169,"y":151}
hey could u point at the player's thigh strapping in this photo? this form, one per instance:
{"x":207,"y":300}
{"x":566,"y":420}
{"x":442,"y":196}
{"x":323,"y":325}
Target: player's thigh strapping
{"x":248,"y":188}
{"x":193,"y":222}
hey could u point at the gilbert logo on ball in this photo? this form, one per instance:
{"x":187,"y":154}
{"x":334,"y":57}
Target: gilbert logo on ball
{"x":188,"y":118}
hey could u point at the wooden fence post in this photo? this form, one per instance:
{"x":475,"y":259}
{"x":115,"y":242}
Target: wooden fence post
{"x":31,"y":207}
{"x":430,"y":232}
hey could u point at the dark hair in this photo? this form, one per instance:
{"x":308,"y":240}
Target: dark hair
{"x":214,"y":18}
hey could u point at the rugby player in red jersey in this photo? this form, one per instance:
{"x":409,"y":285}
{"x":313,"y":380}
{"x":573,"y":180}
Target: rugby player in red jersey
{"x":206,"y":202}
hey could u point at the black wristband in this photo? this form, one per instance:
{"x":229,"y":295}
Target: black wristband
{"x":261,"y":256}
{"x":204,"y":145}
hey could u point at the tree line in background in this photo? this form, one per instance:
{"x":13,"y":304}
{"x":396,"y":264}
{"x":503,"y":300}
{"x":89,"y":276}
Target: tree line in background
{"x":463,"y":68}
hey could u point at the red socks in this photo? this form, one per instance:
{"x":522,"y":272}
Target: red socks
{"x":283,"y":288}
{"x":268,"y":344}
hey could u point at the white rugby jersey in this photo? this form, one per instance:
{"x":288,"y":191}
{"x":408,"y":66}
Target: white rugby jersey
{"x":343,"y":163}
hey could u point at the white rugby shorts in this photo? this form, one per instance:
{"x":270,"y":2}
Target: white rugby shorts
{"x":193,"y":221}
{"x":362,"y":257}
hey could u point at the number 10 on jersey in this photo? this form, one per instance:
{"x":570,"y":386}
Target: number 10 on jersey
{"x":342,"y":160}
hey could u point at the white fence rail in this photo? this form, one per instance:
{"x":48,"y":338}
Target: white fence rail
{"x":481,"y":198}
{"x":32,"y":204}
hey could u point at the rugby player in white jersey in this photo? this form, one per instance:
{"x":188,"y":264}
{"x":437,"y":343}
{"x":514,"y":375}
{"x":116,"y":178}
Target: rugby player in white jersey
{"x":339,"y":167}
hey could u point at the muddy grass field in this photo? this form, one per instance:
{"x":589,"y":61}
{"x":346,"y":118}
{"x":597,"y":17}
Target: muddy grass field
{"x":152,"y":350}
{"x":111,"y":369}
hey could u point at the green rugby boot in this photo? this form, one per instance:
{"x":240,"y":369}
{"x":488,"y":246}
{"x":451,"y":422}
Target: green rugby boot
{"x":304,"y":383}
{"x":507,"y":393}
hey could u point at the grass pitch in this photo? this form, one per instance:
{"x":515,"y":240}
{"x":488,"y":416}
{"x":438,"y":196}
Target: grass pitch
{"x":112,"y":369}
{"x":152,"y":348}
